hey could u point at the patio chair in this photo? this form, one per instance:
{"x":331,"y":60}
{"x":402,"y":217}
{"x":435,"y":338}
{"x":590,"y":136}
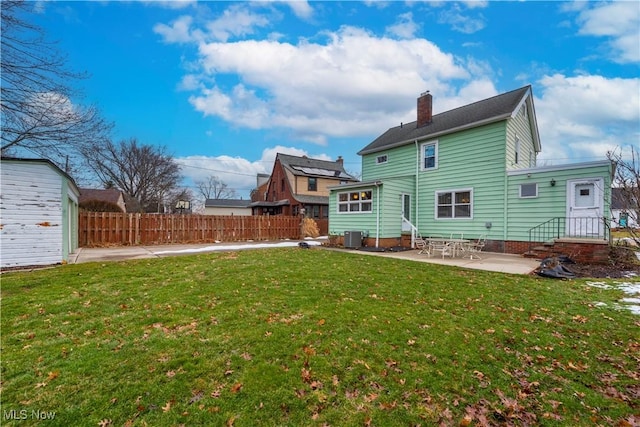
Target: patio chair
{"x":444,"y":247}
{"x":422,"y":245}
{"x":474,"y":248}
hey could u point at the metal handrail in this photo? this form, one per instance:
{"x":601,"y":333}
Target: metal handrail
{"x":597,"y":228}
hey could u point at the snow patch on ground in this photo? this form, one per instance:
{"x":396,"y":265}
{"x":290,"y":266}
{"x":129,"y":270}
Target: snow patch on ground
{"x":241,"y":246}
{"x":630,"y":288}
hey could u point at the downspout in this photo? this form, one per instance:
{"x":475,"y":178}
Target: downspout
{"x":505,"y":209}
{"x":417,"y":185}
{"x":377,"y":213}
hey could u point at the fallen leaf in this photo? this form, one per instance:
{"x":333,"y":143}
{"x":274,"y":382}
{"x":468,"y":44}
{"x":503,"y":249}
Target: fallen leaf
{"x":105,"y":423}
{"x":236,"y":387}
{"x":166,"y":407}
{"x":306,"y":375}
{"x":466,"y":421}
{"x":197,"y":396}
{"x":321,"y":322}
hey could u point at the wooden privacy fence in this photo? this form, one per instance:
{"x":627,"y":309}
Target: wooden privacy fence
{"x":109,"y":228}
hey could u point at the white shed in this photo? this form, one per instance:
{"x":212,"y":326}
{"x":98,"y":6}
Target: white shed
{"x":38,"y":213}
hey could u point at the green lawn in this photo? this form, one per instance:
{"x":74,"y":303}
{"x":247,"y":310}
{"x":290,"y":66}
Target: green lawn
{"x":311,"y":337}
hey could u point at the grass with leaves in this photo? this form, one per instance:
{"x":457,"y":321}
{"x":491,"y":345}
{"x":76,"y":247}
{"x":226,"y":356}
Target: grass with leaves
{"x":290,"y":337}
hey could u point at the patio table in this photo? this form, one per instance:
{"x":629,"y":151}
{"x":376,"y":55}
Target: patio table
{"x":447,"y":246}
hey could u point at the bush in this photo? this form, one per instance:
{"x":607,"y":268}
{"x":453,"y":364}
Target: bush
{"x":310,"y":228}
{"x":99,"y":206}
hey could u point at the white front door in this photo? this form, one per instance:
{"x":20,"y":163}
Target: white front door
{"x":406,"y":212}
{"x":585,"y":207}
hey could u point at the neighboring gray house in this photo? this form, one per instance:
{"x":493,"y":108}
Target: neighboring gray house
{"x":623,"y":211}
{"x":227,"y":207}
{"x":38,"y":213}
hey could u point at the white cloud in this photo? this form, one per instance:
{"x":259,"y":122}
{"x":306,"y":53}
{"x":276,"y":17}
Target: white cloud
{"x":461,"y":21}
{"x":236,"y":21}
{"x":619,"y":21}
{"x":583,"y":117}
{"x":171,"y":4}
{"x":177,"y":32}
{"x":405,"y":27}
{"x":301,"y":8}
{"x":339,"y":88}
{"x":475,"y":4}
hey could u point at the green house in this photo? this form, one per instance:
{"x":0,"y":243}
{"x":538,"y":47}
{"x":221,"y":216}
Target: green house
{"x":472,"y":171}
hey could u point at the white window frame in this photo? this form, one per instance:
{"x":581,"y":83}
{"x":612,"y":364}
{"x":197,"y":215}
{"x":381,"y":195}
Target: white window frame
{"x":423,"y":157}
{"x":517,"y":150}
{"x":529,"y":197}
{"x":352,"y":202}
{"x":453,"y":192}
{"x":382,"y":159}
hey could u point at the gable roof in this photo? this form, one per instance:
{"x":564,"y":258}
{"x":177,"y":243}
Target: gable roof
{"x":622,"y":198}
{"x":226,"y":203}
{"x":110,"y":195}
{"x":304,"y":166}
{"x":28,"y":160}
{"x":489,"y":110}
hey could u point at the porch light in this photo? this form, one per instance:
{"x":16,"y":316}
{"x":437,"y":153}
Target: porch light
{"x":553,"y":182}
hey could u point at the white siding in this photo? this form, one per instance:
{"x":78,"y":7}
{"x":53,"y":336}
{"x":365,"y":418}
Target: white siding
{"x":227,"y":211}
{"x":30,"y":215}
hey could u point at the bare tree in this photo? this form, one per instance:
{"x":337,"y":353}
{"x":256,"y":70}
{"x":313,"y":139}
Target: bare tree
{"x":38,"y":111}
{"x":627,"y":180}
{"x":180,"y":196}
{"x":214,"y":188}
{"x":145,"y":173}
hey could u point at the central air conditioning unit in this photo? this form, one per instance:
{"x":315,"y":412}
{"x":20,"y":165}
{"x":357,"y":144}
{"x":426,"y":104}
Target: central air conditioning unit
{"x":353,"y":239}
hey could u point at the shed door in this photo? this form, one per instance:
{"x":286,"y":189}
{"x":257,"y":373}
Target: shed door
{"x":585,"y":208}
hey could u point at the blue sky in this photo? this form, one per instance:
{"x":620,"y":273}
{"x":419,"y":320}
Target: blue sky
{"x":226,"y":85}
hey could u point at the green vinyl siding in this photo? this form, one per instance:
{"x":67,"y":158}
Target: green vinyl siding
{"x":473,"y":160}
{"x":386,"y":197}
{"x":551,"y":202}
{"x":361,"y":221}
{"x":519,"y":128}
{"x":391,"y":204}
{"x":401,"y":161}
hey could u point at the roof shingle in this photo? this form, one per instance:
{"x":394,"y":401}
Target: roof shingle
{"x":482,"y":112}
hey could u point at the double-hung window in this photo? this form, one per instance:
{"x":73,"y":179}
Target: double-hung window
{"x":355,"y":201}
{"x":313,"y":184}
{"x":454,"y":204}
{"x":430,"y":155}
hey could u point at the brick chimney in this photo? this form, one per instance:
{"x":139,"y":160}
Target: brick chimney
{"x":425,"y":111}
